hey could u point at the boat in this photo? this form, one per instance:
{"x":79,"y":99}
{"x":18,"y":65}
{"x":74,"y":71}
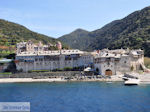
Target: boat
{"x":127,"y":76}
{"x":132,"y":81}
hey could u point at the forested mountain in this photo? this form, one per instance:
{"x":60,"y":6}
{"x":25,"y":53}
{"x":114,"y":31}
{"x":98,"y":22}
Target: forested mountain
{"x":12,"y":33}
{"x":132,"y":31}
{"x":75,"y":38}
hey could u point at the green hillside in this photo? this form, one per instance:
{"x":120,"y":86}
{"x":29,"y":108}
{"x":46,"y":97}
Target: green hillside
{"x":12,"y":33}
{"x":132,"y":31}
{"x":75,"y":38}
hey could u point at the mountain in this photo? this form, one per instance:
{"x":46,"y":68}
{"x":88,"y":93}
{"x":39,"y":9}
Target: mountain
{"x":75,"y":38}
{"x":132,"y":31}
{"x":12,"y":33}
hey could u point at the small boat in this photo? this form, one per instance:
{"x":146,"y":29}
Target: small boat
{"x":132,"y":81}
{"x":127,"y":76}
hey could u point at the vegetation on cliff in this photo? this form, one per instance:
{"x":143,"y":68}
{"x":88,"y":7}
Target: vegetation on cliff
{"x":131,"y":32}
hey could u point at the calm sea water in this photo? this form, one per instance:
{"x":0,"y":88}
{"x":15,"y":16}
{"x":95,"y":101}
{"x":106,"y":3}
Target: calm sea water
{"x":78,"y":96}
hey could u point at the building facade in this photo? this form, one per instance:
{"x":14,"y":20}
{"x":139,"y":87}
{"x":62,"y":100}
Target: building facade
{"x":37,"y":57}
{"x":112,"y":62}
{"x":30,"y":56}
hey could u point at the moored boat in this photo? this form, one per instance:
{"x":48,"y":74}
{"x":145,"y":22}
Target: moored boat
{"x":132,"y":81}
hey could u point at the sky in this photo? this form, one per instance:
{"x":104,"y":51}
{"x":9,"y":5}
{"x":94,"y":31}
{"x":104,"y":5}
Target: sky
{"x":58,"y":17}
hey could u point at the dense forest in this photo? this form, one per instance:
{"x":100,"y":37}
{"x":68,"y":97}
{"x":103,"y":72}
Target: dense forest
{"x":131,"y":32}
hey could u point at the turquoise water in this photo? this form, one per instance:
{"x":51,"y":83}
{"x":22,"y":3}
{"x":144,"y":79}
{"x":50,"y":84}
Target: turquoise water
{"x":78,"y":96}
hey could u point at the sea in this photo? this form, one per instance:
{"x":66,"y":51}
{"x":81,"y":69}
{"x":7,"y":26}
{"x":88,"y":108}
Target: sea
{"x":78,"y":96}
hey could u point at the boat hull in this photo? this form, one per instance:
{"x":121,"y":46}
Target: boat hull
{"x":132,"y":82}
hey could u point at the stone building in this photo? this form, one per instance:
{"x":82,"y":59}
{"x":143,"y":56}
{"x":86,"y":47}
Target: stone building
{"x":30,"y":56}
{"x":37,"y":57}
{"x":112,"y":62}
{"x":31,"y":47}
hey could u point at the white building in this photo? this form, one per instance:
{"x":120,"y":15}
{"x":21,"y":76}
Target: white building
{"x":30,"y":56}
{"x":37,"y":57}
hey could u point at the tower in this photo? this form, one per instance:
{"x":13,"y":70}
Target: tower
{"x":59,"y":45}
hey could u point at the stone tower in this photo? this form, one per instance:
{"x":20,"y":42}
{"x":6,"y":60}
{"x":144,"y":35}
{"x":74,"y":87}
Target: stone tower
{"x":59,"y":45}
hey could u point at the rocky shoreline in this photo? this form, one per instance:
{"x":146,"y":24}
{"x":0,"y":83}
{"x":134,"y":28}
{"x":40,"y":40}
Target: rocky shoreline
{"x":68,"y":76}
{"x":62,"y":79}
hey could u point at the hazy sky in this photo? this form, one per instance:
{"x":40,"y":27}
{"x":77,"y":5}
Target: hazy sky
{"x":58,"y":17}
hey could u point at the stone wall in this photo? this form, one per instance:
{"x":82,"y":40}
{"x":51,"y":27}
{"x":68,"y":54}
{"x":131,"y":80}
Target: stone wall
{"x":41,"y":75}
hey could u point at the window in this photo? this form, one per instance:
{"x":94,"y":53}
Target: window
{"x":108,"y":63}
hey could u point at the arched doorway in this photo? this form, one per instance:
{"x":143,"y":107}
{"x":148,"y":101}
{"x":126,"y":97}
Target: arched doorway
{"x":97,"y":70}
{"x":108,"y":72}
